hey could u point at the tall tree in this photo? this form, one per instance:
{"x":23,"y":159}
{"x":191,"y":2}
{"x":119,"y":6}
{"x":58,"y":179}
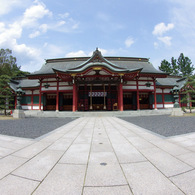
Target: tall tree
{"x":180,"y":67}
{"x":175,"y":68}
{"x":165,"y":66}
{"x":185,"y":65}
{"x":6,"y":94}
{"x":189,"y":92}
{"x":8,"y":65}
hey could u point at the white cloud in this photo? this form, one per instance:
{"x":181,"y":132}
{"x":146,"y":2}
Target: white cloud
{"x":35,"y":12}
{"x":7,"y":5}
{"x":9,"y":34}
{"x":161,"y":28}
{"x":65,"y":15}
{"x":155,"y":45}
{"x":29,"y":57}
{"x":61,"y":23}
{"x":182,"y":14}
{"x":42,"y":29}
{"x":129,"y":41}
{"x":34,"y":34}
{"x":82,"y":53}
{"x":2,"y":27}
{"x":79,"y":53}
{"x":166,"y":40}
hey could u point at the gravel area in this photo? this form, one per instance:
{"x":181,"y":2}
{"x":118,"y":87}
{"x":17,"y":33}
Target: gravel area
{"x":164,"y":125}
{"x":31,"y":127}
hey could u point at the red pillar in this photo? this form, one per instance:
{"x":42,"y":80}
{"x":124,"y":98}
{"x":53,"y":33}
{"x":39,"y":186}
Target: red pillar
{"x":32,"y":100}
{"x":40,"y":94}
{"x":163,"y":98}
{"x":119,"y":101}
{"x":155,"y":105}
{"x":121,"y":96}
{"x":57,"y":96}
{"x":137,"y":86}
{"x":74,"y":98}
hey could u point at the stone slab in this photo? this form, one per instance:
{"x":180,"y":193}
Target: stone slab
{"x":9,"y":164}
{"x":17,"y":185}
{"x":126,"y":153}
{"x":144,"y":178}
{"x":39,"y":166}
{"x":5,"y":151}
{"x":63,"y":179}
{"x":76,"y":154}
{"x":61,"y":144}
{"x":185,"y":181}
{"x":139,"y":142}
{"x":32,"y":150}
{"x":166,"y":163}
{"x":98,"y":157}
{"x":188,"y":158}
{"x":10,"y":145}
{"x":114,"y":190}
{"x":104,"y":175}
{"x":171,"y":148}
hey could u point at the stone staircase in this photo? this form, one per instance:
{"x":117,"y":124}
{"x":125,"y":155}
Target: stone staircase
{"x":35,"y":113}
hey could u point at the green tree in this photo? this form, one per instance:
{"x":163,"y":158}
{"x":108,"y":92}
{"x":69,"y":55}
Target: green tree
{"x":180,"y":67}
{"x":6,"y":94}
{"x":189,"y":92}
{"x":165,"y":66}
{"x":8,"y":65}
{"x":185,"y":65}
{"x":174,"y":66}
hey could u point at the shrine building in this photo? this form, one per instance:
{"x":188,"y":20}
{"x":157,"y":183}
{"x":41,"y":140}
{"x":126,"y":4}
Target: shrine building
{"x":96,"y":83}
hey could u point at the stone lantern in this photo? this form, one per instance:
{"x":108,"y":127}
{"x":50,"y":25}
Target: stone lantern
{"x":175,"y":92}
{"x":19,"y":93}
{"x":176,"y":108}
{"x":18,"y":112}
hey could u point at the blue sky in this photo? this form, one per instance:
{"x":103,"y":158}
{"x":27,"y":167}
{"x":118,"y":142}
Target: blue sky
{"x":43,"y":29}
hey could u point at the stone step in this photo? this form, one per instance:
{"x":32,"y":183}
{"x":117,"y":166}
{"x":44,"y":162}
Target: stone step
{"x":35,"y":113}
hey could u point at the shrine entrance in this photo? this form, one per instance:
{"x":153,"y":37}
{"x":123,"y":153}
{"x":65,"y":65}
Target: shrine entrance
{"x":97,"y":97}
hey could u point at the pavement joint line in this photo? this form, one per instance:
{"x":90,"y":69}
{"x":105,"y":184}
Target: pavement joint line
{"x":55,"y":130}
{"x":107,"y":186}
{"x":60,"y":157}
{"x":39,"y":141}
{"x":60,"y":163}
{"x":116,"y":156}
{"x":31,"y":157}
{"x":150,"y":143}
{"x":144,"y":129}
{"x":127,"y":163}
{"x":104,"y":123}
{"x":152,"y":163}
{"x":85,"y":176}
{"x":182,"y":173}
{"x":36,"y":141}
{"x":154,"y":144}
{"x":25,"y":178}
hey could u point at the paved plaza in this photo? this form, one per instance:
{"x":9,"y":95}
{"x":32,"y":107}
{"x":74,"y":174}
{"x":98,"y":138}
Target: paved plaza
{"x":98,"y":155}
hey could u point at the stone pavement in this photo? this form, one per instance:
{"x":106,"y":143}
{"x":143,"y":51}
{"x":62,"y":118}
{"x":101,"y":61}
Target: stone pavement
{"x":98,"y":155}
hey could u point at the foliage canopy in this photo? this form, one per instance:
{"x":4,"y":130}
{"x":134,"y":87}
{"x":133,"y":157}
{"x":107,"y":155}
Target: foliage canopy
{"x":180,"y":67}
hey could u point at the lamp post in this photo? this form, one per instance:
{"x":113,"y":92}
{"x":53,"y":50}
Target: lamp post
{"x":19,"y":93}
{"x":18,"y":112}
{"x":175,"y":92}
